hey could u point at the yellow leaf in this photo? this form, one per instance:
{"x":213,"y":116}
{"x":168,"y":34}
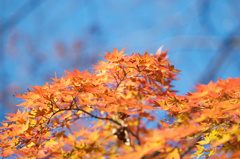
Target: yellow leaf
{"x":212,"y":152}
{"x":51,"y":143}
{"x":200,"y":150}
{"x":174,"y":154}
{"x":31,"y":144}
{"x":225,"y":138}
{"x":204,"y":142}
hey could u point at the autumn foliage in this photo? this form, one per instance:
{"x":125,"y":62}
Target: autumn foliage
{"x":136,"y":113}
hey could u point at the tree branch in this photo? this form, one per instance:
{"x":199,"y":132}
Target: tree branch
{"x":20,"y":14}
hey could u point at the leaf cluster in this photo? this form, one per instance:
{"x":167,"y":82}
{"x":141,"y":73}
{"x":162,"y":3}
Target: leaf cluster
{"x":125,"y":95}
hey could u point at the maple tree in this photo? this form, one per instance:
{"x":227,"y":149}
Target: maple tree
{"x":125,"y":95}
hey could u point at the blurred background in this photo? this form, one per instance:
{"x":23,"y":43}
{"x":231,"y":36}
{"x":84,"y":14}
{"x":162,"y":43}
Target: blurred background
{"x":39,"y":38}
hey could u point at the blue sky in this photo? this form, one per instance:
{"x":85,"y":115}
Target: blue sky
{"x":45,"y":37}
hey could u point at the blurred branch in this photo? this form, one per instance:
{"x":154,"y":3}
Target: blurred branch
{"x":20,"y":14}
{"x":227,"y":45}
{"x":225,"y":49}
{"x":204,"y":16}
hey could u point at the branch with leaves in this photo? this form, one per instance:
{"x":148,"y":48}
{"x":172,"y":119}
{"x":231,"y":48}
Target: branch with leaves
{"x":123,"y":97}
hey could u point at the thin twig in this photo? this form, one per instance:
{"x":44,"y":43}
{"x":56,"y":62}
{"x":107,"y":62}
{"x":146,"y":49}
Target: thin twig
{"x":138,"y":127}
{"x":191,"y":147}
